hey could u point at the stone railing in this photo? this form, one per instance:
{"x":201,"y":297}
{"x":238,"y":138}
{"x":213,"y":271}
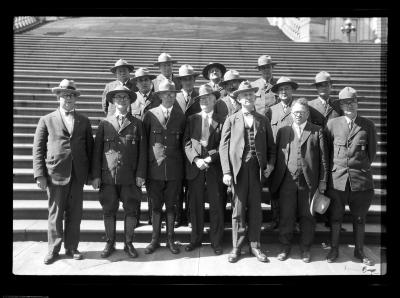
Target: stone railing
{"x":297,"y":29}
{"x":24,"y":23}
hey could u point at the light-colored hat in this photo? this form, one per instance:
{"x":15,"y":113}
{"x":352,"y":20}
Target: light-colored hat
{"x":244,"y":86}
{"x":265,"y":60}
{"x":321,"y":77}
{"x":131,"y":94}
{"x":166,"y":86}
{"x":347,"y":93}
{"x":319,"y":203}
{"x":210,"y":65}
{"x":187,"y":70}
{"x":164,"y":57}
{"x":122,"y":62}
{"x":144,"y":72}
{"x":231,"y":75}
{"x":205,"y":90}
{"x":66,"y":85}
{"x":283,"y":81}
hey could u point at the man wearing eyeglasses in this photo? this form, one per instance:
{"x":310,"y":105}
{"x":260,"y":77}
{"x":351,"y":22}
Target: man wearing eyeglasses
{"x":62,"y":149}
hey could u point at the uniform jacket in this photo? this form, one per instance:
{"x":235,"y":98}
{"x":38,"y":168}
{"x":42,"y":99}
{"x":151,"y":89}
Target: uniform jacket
{"x":193,"y":146}
{"x":319,"y":115}
{"x":224,"y":107}
{"x":351,"y":153}
{"x":264,"y":96}
{"x":109,"y":108}
{"x":160,"y":78}
{"x":232,"y":143}
{"x":314,"y":156}
{"x":278,"y":118}
{"x":165,"y":143}
{"x":140,"y":106}
{"x":218,"y":88}
{"x":120,"y":154}
{"x":192,"y":107}
{"x":56,"y":152}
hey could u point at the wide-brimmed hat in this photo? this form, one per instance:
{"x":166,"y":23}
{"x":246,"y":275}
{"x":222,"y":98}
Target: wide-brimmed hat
{"x":347,"y":93}
{"x":164,"y":57}
{"x":244,"y":86}
{"x":265,"y":60}
{"x":144,"y":72}
{"x":283,"y":81}
{"x":118,"y":89}
{"x":210,"y":65}
{"x":66,"y":85}
{"x":187,"y":70}
{"x":166,"y":86}
{"x":122,"y":62}
{"x":321,"y":77}
{"x":319,"y":203}
{"x":206,"y":90}
{"x":231,"y":75}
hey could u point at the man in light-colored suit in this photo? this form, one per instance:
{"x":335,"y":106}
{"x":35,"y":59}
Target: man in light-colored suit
{"x":300,"y":169}
{"x":165,"y":63}
{"x":214,"y":72}
{"x":352,"y":148}
{"x":247,"y":152}
{"x":62,"y":149}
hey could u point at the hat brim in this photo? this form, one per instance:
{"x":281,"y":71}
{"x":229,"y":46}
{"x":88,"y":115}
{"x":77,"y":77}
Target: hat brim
{"x":272,"y":63}
{"x":196,"y":74}
{"x":55,"y":90}
{"x":110,"y":94}
{"x":223,"y":83}
{"x":216,"y":93}
{"x":220,"y":66}
{"x":172,"y":61}
{"x":130,"y":67}
{"x":315,"y":83}
{"x":151,"y":77}
{"x":237,"y":92}
{"x":276,"y":86}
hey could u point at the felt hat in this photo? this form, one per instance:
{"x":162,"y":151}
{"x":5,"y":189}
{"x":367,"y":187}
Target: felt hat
{"x":122,"y":62}
{"x":187,"y":70}
{"x":210,"y":65}
{"x":118,"y":89}
{"x":231,"y":75}
{"x":319,"y":203}
{"x":144,"y":72}
{"x":66,"y":85}
{"x":347,"y":93}
{"x":265,"y":60}
{"x":244,"y":86}
{"x":164,"y":57}
{"x":166,"y":86}
{"x":321,"y":77}
{"x":283,"y":81}
{"x":206,"y":90}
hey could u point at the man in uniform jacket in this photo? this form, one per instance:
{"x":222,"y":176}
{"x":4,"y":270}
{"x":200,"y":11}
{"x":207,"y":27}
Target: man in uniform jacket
{"x":352,"y":148}
{"x":300,"y":169}
{"x":119,"y":168}
{"x":164,"y":126}
{"x":214,"y":72}
{"x":121,"y":69}
{"x":165,"y":63}
{"x":247,"y":152}
{"x":202,"y":137}
{"x":62,"y":149}
{"x":264,"y":96}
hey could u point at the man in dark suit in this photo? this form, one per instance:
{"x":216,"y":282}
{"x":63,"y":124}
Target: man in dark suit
{"x":164,"y":126}
{"x":165,"y":63}
{"x":119,"y":168}
{"x":352,"y":147}
{"x":247,"y":152}
{"x":122,"y":70}
{"x":264,"y":96}
{"x":300,"y":169}
{"x":202,"y":137}
{"x":214,"y":72}
{"x":62,"y":149}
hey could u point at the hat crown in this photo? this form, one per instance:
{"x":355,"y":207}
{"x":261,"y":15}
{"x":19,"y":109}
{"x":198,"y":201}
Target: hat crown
{"x":142,"y":71}
{"x":205,"y":89}
{"x":186,"y":70}
{"x":245,"y":85}
{"x":166,"y":85}
{"x":164,"y":57}
{"x":122,"y":89}
{"x":121,"y":62}
{"x":264,"y":59}
{"x":231,"y":75}
{"x":322,"y":76}
{"x":67,"y":84}
{"x":347,"y":92}
{"x":284,"y":80}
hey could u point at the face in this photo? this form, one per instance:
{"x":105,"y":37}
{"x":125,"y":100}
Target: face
{"x":188,"y":83}
{"x":349,"y":107}
{"x":207,"y":103}
{"x":121,"y":101}
{"x":166,"y":69}
{"x":232,"y":86}
{"x":143,"y":84}
{"x":214,"y":73}
{"x":122,"y":73}
{"x":247,"y":99}
{"x":324,"y":89}
{"x":266,"y":71}
{"x":167,"y":99}
{"x":285,"y":93}
{"x":299,"y":113}
{"x":67,"y":100}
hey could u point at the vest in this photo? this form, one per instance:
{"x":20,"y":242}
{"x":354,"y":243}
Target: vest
{"x":294,"y":162}
{"x":249,"y":144}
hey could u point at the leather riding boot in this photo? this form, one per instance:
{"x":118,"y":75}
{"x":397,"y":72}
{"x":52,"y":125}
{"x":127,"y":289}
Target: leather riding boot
{"x":156,"y":223}
{"x":335,"y":233}
{"x":359,"y":231}
{"x":109,"y":224}
{"x":170,"y":234}
{"x":130,"y":224}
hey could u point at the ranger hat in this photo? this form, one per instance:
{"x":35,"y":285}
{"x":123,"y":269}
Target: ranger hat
{"x":319,"y":203}
{"x":210,"y":65}
{"x":283,"y":81}
{"x":347,"y":93}
{"x":66,"y":85}
{"x":166,"y":86}
{"x":206,"y":90}
{"x":122,"y":62}
{"x":187,"y":70}
{"x":164,"y":57}
{"x":144,"y":72}
{"x":231,"y":75}
{"x":118,"y":89}
{"x":265,"y":60}
{"x":244,"y":86}
{"x":321,"y":77}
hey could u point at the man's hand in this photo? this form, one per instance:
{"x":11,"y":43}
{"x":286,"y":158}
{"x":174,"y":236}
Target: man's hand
{"x":322,"y":186}
{"x":268,"y":171}
{"x":96,"y":183}
{"x":200,"y":163}
{"x":41,"y":182}
{"x":140,"y":181}
{"x":207,"y":159}
{"x":227,"y":179}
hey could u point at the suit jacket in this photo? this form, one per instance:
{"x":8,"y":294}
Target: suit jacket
{"x":120,"y":153}
{"x":319,"y":115}
{"x":232,"y":143}
{"x":351,"y":153}
{"x":109,"y":108}
{"x":160,"y":78}
{"x":165,"y":143}
{"x":264,"y":96}
{"x":192,"y":107}
{"x":193,"y":146}
{"x":314,"y":156}
{"x":224,"y":107}
{"x":56,"y":152}
{"x":221,"y":90}
{"x":278,"y":118}
{"x":140,"y":106}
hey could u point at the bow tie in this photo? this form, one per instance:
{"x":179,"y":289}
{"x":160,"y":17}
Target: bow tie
{"x":67,"y":113}
{"x":249,"y":113}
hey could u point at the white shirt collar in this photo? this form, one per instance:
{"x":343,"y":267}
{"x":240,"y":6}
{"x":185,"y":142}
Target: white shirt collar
{"x":300,"y":126}
{"x":64,"y":110}
{"x":245,"y":111}
{"x":348,"y":120}
{"x":147,"y":94}
{"x":164,"y":109}
{"x":207,"y":114}
{"x":323,"y":100}
{"x":185,"y":93}
{"x":117,"y":114}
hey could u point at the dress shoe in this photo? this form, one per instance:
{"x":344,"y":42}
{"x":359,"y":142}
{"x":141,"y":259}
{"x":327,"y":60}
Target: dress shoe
{"x":332,"y":255}
{"x":108,"y":250}
{"x":130,"y":250}
{"x":218,"y":250}
{"x":270,"y":226}
{"x":151,"y":247}
{"x":74,"y":253}
{"x":173,"y":247}
{"x":192,"y":246}
{"x":306,"y":256}
{"x":283,"y":255}
{"x":234,"y":255}
{"x":50,"y":258}
{"x":363,"y":258}
{"x":258,"y":254}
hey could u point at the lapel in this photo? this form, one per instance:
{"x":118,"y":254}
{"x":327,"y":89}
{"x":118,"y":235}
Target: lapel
{"x":238,"y":130}
{"x":191,"y":101}
{"x":125,"y":123}
{"x":180,"y":98}
{"x":306,"y":133}
{"x":256,"y":124}
{"x":160,"y":116}
{"x":288,"y":135}
{"x":329,"y":107}
{"x":114,"y":122}
{"x":59,"y":118}
{"x":356,"y":127}
{"x":214,"y":123}
{"x":283,"y":114}
{"x":76,"y":122}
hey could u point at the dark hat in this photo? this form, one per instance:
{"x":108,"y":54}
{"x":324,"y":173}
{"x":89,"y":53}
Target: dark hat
{"x":244,"y":87}
{"x":265,"y":60}
{"x":319,"y":203}
{"x":144,"y":72}
{"x":231,"y":75}
{"x":187,"y":70}
{"x":210,"y":65}
{"x":120,"y":63}
{"x":166,"y":86}
{"x":321,"y":77}
{"x":66,"y":85}
{"x":284,"y":81}
{"x":164,"y":57}
{"x":118,"y":89}
{"x":206,"y":90}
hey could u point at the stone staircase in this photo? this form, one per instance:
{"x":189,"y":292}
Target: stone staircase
{"x":41,"y":62}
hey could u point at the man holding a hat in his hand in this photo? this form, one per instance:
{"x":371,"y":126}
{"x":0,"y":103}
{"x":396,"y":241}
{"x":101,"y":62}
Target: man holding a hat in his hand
{"x":165,"y":63}
{"x":119,"y":167}
{"x":352,"y":148}
{"x":214,"y":72}
{"x":62,"y":149}
{"x":247,"y":151}
{"x":121,"y":69}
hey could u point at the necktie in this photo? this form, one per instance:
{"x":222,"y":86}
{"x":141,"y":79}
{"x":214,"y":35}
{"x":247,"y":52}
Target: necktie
{"x":167,"y":116}
{"x":120,"y":120}
{"x":284,"y":109}
{"x":248,"y":113}
{"x":188,"y":99}
{"x":69,"y":113}
{"x":350,"y":125}
{"x":205,"y":131}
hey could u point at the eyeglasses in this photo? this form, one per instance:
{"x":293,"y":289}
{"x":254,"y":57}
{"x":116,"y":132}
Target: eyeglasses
{"x":67,"y":95}
{"x":121,"y":97}
{"x":299,"y":113}
{"x":349,"y":103}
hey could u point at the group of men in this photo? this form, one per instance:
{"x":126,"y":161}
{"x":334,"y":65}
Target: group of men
{"x":190,"y":146}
